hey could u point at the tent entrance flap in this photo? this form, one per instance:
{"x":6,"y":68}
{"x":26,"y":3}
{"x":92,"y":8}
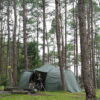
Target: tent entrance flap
{"x":42,"y":76}
{"x":32,"y":77}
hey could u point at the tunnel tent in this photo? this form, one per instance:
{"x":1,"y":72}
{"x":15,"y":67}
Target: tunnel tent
{"x":53,"y":79}
{"x":98,"y":82}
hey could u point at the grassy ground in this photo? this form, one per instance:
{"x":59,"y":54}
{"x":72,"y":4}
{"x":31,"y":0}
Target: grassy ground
{"x":48,"y":96}
{"x":1,"y":87}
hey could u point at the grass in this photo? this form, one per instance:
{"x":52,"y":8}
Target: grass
{"x":1,"y":87}
{"x":98,"y":93}
{"x":49,"y":96}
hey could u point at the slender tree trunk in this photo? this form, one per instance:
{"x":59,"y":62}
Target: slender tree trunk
{"x":92,"y":44}
{"x":44,"y":30}
{"x":37,"y":34}
{"x":18,"y":42}
{"x":66,"y":33}
{"x":74,"y":30}
{"x":25,"y":35}
{"x":38,"y":16}
{"x":48,"y":59}
{"x":9,"y":44}
{"x":54,"y":52}
{"x":96,"y":54}
{"x":98,"y":60}
{"x":86,"y":72}
{"x":76,"y":42}
{"x":89,"y":36}
{"x":14,"y":47}
{"x":8,"y":28}
{"x":1,"y":46}
{"x":58,"y":36}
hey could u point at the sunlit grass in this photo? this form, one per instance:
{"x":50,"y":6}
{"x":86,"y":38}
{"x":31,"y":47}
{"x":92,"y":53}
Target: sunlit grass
{"x":98,"y":93}
{"x":1,"y":87}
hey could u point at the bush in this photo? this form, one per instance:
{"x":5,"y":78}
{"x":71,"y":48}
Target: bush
{"x":3,"y":80}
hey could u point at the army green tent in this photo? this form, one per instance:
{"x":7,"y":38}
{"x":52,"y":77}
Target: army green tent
{"x":98,"y":82}
{"x":52,"y":79}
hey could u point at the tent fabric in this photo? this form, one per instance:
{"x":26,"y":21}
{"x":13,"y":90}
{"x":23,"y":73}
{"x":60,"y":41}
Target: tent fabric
{"x":71,"y":82}
{"x":24,"y":81}
{"x":52,"y":82}
{"x":98,"y":82}
{"x":45,"y":68}
{"x":53,"y":79}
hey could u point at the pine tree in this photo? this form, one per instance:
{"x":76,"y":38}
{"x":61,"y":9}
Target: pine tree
{"x":14,"y":47}
{"x":59,"y":42}
{"x":86,"y":72}
{"x":25,"y":35}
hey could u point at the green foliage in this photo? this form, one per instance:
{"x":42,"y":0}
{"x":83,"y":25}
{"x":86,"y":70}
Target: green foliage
{"x":31,"y":21}
{"x":70,"y":52}
{"x":3,"y":80}
{"x":33,"y":54}
{"x":96,"y":7}
{"x":53,"y":27}
{"x":21,"y":13}
{"x":97,"y":39}
{"x":70,"y":47}
{"x":72,"y":24}
{"x":33,"y":57}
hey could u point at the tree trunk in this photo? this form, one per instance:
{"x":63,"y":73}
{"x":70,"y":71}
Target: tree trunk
{"x":76,"y":42}
{"x":92,"y":44}
{"x":48,"y":58}
{"x":58,"y":37}
{"x":8,"y":28}
{"x":37,"y":35}
{"x":14,"y":47}
{"x":74,"y":30}
{"x":9,"y":44}
{"x":66,"y":65}
{"x":44,"y":30}
{"x":1,"y":45}
{"x":18,"y":42}
{"x":86,"y":72}
{"x":25,"y":35}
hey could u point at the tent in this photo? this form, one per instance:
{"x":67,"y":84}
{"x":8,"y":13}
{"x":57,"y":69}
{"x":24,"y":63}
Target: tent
{"x":52,"y":79}
{"x":98,"y":82}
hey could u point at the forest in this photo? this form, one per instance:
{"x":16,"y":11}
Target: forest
{"x":63,"y":33}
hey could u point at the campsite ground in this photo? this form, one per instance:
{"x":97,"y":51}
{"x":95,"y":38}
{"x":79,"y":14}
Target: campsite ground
{"x":47,"y":96}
